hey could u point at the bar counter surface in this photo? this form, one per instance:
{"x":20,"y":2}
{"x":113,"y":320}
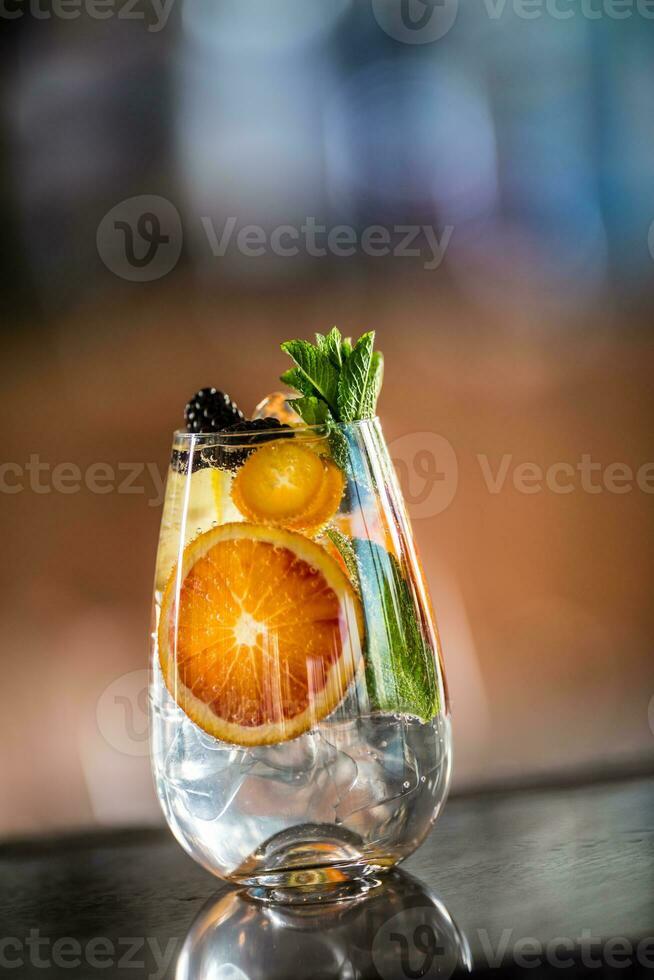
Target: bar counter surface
{"x":536,"y":882}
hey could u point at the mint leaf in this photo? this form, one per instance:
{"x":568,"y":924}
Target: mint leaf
{"x":315,"y":368}
{"x":311,"y":410}
{"x":331,"y":346}
{"x":350,"y":456}
{"x":371,"y":394}
{"x":346,"y":379}
{"x":345,"y":549}
{"x":339,"y":447}
{"x":294,"y":378}
{"x":400,"y":665}
{"x":356,"y":379}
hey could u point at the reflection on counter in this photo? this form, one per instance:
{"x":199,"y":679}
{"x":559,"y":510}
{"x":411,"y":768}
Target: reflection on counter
{"x":399,"y":929}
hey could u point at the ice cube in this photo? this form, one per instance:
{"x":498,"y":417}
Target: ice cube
{"x":290,"y":780}
{"x":204,"y":773}
{"x":293,"y":757}
{"x":380,"y":747}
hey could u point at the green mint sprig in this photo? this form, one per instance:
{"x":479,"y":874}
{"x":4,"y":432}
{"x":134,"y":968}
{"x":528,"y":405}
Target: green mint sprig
{"x":346,"y":550}
{"x":400,"y":665}
{"x":337,"y":382}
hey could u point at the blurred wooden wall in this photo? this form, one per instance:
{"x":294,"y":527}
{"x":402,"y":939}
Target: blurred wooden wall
{"x":544,"y":599}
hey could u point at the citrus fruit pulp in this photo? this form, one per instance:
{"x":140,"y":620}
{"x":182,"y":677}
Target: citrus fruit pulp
{"x":290,"y":485}
{"x":260,"y":633}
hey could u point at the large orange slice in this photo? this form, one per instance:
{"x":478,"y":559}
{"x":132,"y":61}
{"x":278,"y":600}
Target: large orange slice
{"x":287,"y":484}
{"x":260,"y":633}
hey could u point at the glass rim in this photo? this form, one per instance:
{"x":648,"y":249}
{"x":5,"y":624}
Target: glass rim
{"x":235,"y":439}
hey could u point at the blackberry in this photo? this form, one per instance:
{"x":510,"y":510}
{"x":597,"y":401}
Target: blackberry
{"x":255,"y":432}
{"x":202,"y":458}
{"x":179,"y":461}
{"x":258,"y":431}
{"x":210,"y":410}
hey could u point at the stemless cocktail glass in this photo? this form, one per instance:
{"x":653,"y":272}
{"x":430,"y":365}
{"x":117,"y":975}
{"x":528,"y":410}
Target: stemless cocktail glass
{"x":300,"y":726}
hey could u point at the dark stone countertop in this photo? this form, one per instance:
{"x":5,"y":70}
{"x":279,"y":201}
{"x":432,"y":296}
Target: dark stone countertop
{"x":514,"y":870}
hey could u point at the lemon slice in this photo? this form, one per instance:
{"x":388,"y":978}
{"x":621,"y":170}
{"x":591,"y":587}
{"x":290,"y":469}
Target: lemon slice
{"x":209,"y":503}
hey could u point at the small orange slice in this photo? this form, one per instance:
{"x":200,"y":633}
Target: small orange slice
{"x":289,"y":485}
{"x":326,"y":502}
{"x":260,"y":633}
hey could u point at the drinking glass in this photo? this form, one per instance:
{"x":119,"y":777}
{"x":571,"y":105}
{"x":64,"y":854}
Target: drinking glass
{"x":300,"y":726}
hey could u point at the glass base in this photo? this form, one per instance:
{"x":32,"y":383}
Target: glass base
{"x":313,"y":886}
{"x":310,"y":864}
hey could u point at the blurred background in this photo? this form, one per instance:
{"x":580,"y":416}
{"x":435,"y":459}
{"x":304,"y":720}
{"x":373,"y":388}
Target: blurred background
{"x":186,"y":183}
